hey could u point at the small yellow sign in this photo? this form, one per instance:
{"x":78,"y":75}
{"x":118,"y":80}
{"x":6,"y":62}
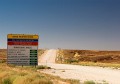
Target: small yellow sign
{"x":22,"y":36}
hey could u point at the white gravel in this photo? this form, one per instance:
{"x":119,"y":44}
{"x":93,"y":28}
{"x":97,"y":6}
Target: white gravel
{"x":81,"y":73}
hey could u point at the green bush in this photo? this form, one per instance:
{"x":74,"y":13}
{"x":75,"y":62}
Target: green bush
{"x":7,"y":81}
{"x":89,"y":82}
{"x":43,"y":67}
{"x":71,"y":61}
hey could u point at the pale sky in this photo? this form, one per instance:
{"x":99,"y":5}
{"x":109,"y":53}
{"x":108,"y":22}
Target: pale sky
{"x":68,"y":24}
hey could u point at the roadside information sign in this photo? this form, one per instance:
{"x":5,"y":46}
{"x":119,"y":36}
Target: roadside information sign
{"x":22,"y":49}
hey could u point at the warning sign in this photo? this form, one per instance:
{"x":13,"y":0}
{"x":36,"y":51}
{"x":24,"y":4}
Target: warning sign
{"x":22,"y":49}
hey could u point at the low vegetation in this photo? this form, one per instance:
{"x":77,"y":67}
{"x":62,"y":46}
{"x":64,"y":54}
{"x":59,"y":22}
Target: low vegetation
{"x":92,"y":82}
{"x":21,"y":75}
{"x":89,"y":82}
{"x":89,"y":57}
{"x":43,"y":67}
{"x":10,"y":74}
{"x":3,"y":55}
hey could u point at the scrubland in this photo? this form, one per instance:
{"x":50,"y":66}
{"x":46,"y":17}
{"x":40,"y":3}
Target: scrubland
{"x":12,"y":74}
{"x":89,"y":58}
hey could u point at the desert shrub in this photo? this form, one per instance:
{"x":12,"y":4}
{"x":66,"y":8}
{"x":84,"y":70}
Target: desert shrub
{"x":41,"y":81}
{"x":32,"y":79}
{"x":73,"y":81}
{"x":71,"y":61}
{"x":25,"y":75}
{"x":6,"y":81}
{"x":2,"y":60}
{"x":89,"y":82}
{"x":43,"y":67}
{"x":22,"y":74}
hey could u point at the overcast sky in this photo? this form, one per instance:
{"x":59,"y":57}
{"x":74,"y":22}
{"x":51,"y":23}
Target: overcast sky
{"x":69,"y":24}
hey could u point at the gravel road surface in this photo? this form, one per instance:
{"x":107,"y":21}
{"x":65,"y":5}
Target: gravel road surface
{"x":82,"y":73}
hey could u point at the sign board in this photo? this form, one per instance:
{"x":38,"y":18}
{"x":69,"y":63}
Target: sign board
{"x":22,"y":49}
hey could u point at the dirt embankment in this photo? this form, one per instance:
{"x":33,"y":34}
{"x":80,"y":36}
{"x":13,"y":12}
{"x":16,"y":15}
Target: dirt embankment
{"x":89,"y":56}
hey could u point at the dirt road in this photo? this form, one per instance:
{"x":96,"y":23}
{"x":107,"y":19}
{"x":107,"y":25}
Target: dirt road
{"x":81,"y":73}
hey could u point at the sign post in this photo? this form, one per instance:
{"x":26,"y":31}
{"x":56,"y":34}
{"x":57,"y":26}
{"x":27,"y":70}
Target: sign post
{"x":22,"y":49}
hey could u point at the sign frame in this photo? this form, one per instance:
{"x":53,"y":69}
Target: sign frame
{"x":20,"y":38}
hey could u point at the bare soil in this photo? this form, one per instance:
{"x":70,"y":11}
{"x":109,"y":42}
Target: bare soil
{"x":91,"y":56}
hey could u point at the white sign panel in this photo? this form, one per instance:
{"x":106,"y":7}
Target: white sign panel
{"x":22,"y":50}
